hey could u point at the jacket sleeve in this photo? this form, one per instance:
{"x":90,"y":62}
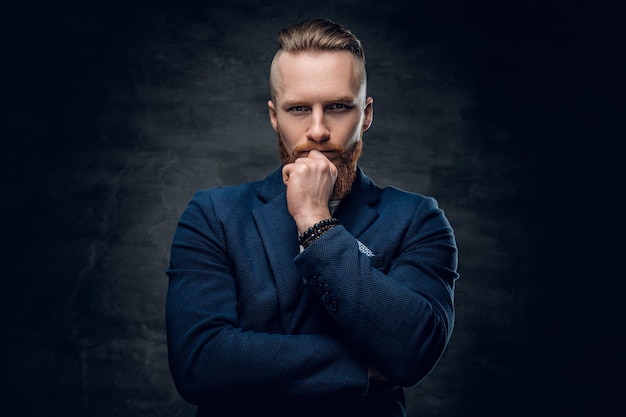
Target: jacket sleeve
{"x":395,"y":303}
{"x":212,"y":359}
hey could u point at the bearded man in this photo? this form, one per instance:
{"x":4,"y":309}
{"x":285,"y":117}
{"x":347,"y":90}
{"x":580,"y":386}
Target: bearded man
{"x":313,"y":292}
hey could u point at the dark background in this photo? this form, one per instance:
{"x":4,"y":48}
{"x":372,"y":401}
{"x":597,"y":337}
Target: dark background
{"x":114,"y":113}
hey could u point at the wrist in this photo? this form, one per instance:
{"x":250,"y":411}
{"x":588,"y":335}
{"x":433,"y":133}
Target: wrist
{"x":316,"y":231}
{"x":306,"y":222}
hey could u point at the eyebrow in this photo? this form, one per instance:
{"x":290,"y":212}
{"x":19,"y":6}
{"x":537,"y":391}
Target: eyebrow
{"x":339,"y":99}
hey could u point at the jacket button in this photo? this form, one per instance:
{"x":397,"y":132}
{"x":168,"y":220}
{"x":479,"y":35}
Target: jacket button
{"x":326,"y":298}
{"x":333,"y":306}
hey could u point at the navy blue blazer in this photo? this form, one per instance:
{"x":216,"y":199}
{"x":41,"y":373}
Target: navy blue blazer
{"x":255,"y":324}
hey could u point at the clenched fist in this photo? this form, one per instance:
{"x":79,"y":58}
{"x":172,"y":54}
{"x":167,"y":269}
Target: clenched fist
{"x":310,"y":182}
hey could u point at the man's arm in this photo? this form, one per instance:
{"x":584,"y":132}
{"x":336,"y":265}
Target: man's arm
{"x":401,"y":320}
{"x":213,"y":359}
{"x":399,"y":317}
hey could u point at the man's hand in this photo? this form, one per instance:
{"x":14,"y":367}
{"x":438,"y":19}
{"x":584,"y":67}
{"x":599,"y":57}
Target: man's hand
{"x":310,"y":182}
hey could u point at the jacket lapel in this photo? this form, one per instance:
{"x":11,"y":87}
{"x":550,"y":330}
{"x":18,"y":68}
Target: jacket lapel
{"x":279,"y":233}
{"x":357,"y":211}
{"x":279,"y":236}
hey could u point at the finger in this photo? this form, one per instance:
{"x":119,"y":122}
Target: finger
{"x":286,"y":172}
{"x":315,"y":154}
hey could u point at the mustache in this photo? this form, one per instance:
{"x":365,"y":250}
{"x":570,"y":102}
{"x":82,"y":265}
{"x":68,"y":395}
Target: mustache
{"x":324,"y":147}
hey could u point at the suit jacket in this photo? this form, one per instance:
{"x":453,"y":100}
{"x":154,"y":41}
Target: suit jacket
{"x":254,"y":324}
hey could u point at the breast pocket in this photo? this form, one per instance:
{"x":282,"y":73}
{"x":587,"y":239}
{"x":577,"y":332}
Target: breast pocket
{"x":376,"y":260}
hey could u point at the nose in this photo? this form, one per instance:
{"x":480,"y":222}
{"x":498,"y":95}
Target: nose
{"x":318,"y":129}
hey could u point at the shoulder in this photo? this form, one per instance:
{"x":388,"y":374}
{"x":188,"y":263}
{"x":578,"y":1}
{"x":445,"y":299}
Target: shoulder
{"x":404,"y":199}
{"x":226,"y":194}
{"x":406,"y":208}
{"x":389,"y":201}
{"x":388,"y":195}
{"x":241,"y":196}
{"x":224,"y":201}
{"x":391,"y":192}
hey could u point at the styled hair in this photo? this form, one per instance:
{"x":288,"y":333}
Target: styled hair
{"x":319,"y":35}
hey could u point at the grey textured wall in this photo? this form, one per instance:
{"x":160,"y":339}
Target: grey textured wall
{"x":114,"y":113}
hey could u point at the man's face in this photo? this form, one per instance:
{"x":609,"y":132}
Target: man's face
{"x":320,"y":103}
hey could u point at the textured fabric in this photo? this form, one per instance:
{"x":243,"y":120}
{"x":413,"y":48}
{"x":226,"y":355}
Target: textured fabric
{"x":255,"y":325}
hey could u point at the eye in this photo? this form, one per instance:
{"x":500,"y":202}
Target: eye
{"x":339,"y":107}
{"x":296,"y":109}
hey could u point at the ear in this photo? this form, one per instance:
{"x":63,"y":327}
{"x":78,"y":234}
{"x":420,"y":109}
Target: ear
{"x":272,"y":111}
{"x":368,"y":113}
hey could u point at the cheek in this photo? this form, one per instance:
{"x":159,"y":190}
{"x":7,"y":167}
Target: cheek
{"x":352,"y":131}
{"x":285,"y":136}
{"x":289,"y":134}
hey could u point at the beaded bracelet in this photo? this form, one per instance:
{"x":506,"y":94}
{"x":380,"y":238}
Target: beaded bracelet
{"x":316,"y":231}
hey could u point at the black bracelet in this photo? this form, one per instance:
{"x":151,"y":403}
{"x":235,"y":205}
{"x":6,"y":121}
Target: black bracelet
{"x":319,"y":233}
{"x":316,"y":231}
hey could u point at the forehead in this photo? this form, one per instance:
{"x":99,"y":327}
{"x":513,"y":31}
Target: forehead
{"x":305,"y":73}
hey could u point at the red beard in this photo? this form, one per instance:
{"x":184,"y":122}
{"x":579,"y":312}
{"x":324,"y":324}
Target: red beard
{"x":345,"y":161}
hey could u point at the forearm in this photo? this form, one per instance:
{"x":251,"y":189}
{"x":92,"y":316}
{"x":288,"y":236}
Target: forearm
{"x":400,"y":319}
{"x":221,"y":346}
{"x":212,"y":360}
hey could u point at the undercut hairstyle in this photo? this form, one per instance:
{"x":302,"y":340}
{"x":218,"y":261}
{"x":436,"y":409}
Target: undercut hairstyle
{"x":317,"y":35}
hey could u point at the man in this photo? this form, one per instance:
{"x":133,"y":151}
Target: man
{"x":312,"y":292}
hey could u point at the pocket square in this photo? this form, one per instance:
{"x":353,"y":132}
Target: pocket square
{"x":364,"y":249}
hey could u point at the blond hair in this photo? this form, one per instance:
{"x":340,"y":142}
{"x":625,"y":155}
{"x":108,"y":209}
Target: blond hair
{"x":316,"y":35}
{"x":319,"y":35}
